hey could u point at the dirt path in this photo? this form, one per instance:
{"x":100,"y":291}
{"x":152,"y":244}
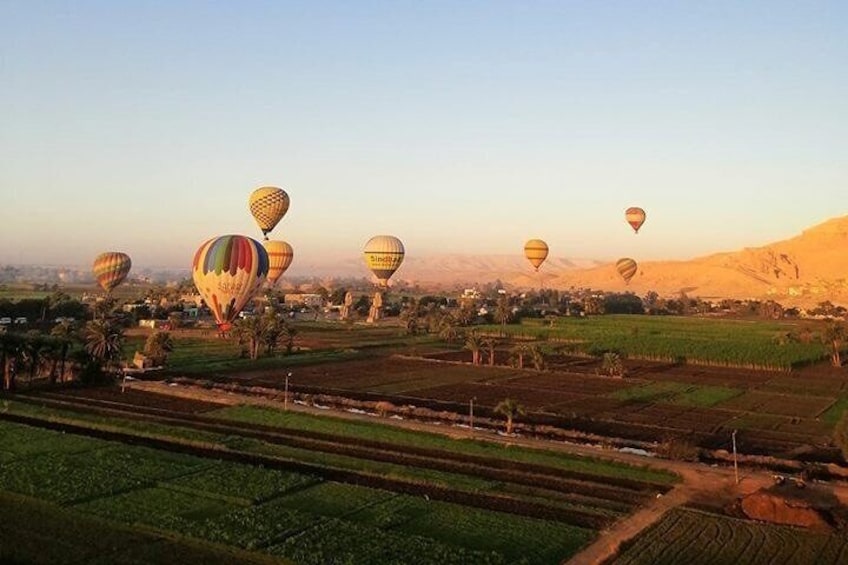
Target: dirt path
{"x":699,"y":481}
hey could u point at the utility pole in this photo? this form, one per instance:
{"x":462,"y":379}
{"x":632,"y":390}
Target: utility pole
{"x":471,"y":414}
{"x":735,"y":466}
{"x":286,"y":396}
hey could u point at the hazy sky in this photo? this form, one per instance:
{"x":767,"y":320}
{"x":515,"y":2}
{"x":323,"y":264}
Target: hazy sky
{"x":459,"y":126}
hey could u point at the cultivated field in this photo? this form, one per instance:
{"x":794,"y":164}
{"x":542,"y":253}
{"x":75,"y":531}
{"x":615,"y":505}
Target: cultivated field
{"x":692,"y":536}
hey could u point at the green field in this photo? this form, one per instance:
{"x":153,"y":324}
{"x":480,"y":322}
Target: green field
{"x":691,"y":536}
{"x":246,"y":507}
{"x":738,"y":343}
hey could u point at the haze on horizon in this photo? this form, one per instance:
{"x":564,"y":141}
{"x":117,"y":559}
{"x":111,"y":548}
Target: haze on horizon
{"x":459,"y":127}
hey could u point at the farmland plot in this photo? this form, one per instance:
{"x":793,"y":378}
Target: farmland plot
{"x":690,"y":536}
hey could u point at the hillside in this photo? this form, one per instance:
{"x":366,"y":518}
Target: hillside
{"x":803,"y":270}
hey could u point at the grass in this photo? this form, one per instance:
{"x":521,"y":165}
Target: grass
{"x":836,"y":410}
{"x":737,"y":343}
{"x":392,"y":434}
{"x":308,"y":522}
{"x":706,"y":396}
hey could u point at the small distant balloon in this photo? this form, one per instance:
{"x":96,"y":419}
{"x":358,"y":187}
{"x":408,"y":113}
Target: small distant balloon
{"x":635,"y":217}
{"x":536,"y":251}
{"x":228,"y":271}
{"x":383,"y":255}
{"x":626,"y":267}
{"x":280,"y":256}
{"x":111,"y":268}
{"x":268,"y":205}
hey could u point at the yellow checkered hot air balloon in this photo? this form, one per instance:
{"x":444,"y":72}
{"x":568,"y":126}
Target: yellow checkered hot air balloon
{"x":536,"y":252}
{"x":280,"y":255}
{"x":111,"y":268}
{"x":268,"y":205}
{"x":626,"y":267}
{"x":383,"y":255}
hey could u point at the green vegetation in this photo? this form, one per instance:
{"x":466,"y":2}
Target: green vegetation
{"x":102,"y":485}
{"x":694,"y":340}
{"x":836,"y":410}
{"x":35,"y":531}
{"x":677,"y":393}
{"x":689,"y":536}
{"x":392,"y":434}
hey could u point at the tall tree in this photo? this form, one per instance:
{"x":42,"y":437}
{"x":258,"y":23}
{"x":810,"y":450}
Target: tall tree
{"x":104,"y":341}
{"x":833,"y":336}
{"x":10,"y":352}
{"x":65,"y":332}
{"x":510,"y":409}
{"x":158,"y":346}
{"x":474,"y":343}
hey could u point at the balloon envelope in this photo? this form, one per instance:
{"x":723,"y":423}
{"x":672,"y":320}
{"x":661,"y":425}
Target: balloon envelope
{"x":280,"y":255}
{"x":228,"y":271}
{"x":268,"y":205}
{"x":111,"y":268}
{"x":626,"y":267}
{"x":635,"y":217}
{"x":383,"y":255}
{"x":536,"y":252}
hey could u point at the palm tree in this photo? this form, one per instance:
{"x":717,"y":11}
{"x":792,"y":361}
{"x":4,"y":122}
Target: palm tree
{"x":490,"y":344}
{"x":517,"y":354}
{"x":64,"y":332}
{"x":503,"y":313}
{"x":474,"y":343}
{"x":34,"y":353}
{"x":158,"y":346}
{"x":249,"y":332}
{"x":612,"y":365}
{"x":509,"y":409}
{"x":10,"y":352}
{"x":410,"y":314}
{"x":104,"y":341}
{"x":449,"y":330}
{"x":537,"y":356}
{"x":833,"y":336}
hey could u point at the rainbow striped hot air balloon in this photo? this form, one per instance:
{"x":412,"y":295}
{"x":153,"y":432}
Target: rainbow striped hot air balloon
{"x":111,"y":268}
{"x":635,"y":217}
{"x":626,"y":267}
{"x":536,"y":252}
{"x":383,"y":255}
{"x":268,"y":205}
{"x":280,"y":255}
{"x":228,"y":271}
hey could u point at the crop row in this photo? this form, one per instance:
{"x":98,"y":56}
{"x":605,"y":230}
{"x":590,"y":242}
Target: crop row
{"x":712,"y":342}
{"x":300,"y":515}
{"x":689,"y":536}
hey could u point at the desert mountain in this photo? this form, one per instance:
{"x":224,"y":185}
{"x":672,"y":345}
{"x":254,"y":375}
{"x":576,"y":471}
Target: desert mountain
{"x":804,"y":270}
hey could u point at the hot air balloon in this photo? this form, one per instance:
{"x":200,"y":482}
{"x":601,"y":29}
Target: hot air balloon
{"x":635,"y":217}
{"x":280,"y":255}
{"x":383,"y":255}
{"x":626,"y":267}
{"x":536,"y":252}
{"x":268,"y":205}
{"x":111,"y":268}
{"x":228,"y":271}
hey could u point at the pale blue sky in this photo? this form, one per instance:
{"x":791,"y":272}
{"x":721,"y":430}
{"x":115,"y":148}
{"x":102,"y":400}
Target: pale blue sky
{"x":458,"y":126}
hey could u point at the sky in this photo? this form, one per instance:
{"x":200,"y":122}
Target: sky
{"x":459,"y":127}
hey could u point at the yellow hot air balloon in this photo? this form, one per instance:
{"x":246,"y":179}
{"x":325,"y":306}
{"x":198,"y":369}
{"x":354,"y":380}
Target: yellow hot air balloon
{"x":280,"y":255}
{"x":228,"y":271}
{"x":268,"y":205}
{"x":111,"y":268}
{"x":536,"y":252}
{"x":635,"y":217}
{"x":626,"y":267}
{"x":383,"y":255}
